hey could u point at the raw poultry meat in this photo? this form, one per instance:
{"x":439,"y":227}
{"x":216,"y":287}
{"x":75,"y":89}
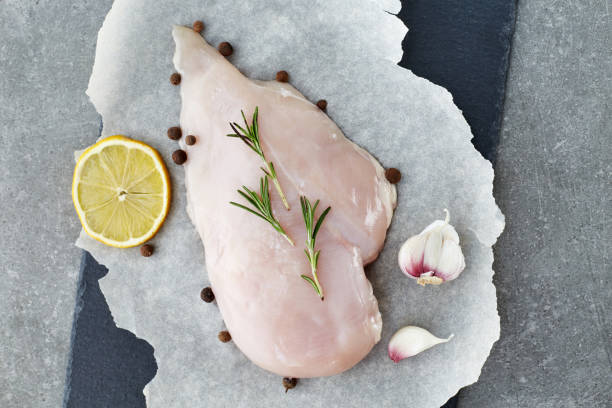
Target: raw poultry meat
{"x":273,"y":315}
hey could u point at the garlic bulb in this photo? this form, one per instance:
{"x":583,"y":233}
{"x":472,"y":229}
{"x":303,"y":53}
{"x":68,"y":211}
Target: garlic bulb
{"x":434,"y":256}
{"x":410,"y":341}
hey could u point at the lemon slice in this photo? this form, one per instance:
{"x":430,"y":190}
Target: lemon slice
{"x":121,"y":191}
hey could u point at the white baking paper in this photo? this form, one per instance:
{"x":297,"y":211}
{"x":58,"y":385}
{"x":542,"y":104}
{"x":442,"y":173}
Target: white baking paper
{"x":346,"y":52}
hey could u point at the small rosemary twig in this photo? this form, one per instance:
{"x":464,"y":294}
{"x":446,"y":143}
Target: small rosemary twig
{"x":312,"y":229}
{"x":262,"y":205}
{"x":250,"y":136}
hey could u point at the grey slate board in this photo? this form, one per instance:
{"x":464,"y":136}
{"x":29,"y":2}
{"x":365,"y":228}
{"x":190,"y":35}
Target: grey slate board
{"x":109,"y":366}
{"x":464,"y":49}
{"x":464,"y":46}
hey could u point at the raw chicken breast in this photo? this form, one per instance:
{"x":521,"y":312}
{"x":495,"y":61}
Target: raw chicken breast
{"x":273,"y":315}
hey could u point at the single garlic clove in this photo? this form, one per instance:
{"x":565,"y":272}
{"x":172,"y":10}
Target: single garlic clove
{"x":451,"y":261}
{"x":433,"y":248}
{"x":410,"y":256}
{"x":410,"y":341}
{"x":434,"y":256}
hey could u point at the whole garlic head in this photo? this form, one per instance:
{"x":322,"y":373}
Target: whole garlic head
{"x":434,"y":256}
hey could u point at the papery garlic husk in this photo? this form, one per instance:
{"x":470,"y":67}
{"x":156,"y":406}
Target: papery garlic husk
{"x":410,"y":341}
{"x":434,"y":256}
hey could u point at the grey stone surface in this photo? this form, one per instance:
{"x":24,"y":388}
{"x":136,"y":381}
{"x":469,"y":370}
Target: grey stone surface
{"x":46,"y":55}
{"x":553,"y":184}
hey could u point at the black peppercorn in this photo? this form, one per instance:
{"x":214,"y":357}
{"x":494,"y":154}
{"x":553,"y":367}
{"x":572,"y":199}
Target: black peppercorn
{"x":175,"y":133}
{"x":198,"y":26}
{"x":224,"y":336}
{"x":289,"y":383}
{"x":146,"y":250}
{"x":175,"y":78}
{"x":207,"y":295}
{"x":190,"y":140}
{"x":179,"y":156}
{"x":226,"y":49}
{"x":322,"y":104}
{"x":393,"y":175}
{"x":282,"y":76}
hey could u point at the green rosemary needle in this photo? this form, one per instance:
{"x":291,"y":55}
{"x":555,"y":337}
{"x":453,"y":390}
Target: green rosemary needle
{"x":312,"y":228}
{"x":250,"y":136}
{"x":262,"y":206}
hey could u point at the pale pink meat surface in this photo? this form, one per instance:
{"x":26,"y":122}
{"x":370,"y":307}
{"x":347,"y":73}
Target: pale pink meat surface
{"x":273,"y":315}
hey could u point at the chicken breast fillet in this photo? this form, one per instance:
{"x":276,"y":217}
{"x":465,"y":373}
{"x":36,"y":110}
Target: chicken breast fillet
{"x":273,"y":315}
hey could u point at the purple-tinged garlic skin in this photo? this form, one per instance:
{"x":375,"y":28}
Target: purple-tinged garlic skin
{"x":410,"y":341}
{"x":434,"y":256}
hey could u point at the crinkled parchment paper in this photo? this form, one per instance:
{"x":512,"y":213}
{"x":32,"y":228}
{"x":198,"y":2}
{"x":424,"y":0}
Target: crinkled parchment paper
{"x":345,"y":52}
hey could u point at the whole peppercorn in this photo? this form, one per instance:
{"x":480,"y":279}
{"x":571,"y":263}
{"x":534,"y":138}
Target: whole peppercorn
{"x":289,"y":383}
{"x":175,"y":133}
{"x":224,"y":336}
{"x":190,"y":140}
{"x":322,"y":104}
{"x":198,"y":26}
{"x":175,"y":78}
{"x":179,"y":156}
{"x":282,"y":76}
{"x":226,"y":49}
{"x":393,"y":175}
{"x":207,"y":295}
{"x":147,"y":250}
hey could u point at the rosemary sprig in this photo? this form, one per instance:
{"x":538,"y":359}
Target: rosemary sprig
{"x":250,"y":136}
{"x":312,"y":229}
{"x":262,"y":205}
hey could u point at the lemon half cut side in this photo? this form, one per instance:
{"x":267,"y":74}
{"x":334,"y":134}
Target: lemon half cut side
{"x":121,"y":191}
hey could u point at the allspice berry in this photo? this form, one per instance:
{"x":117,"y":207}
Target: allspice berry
{"x":226,"y":49}
{"x":175,"y":133}
{"x":393,"y":175}
{"x":207,"y":295}
{"x":190,"y":140}
{"x":282,"y":76}
{"x":147,"y":250}
{"x":198,"y":26}
{"x":175,"y":78}
{"x":179,"y":156}
{"x":289,"y":383}
{"x":322,"y":104}
{"x":224,"y":336}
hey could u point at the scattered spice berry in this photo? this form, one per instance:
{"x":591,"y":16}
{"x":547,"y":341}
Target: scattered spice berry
{"x":179,"y":156}
{"x":198,"y":26}
{"x":322,"y":104}
{"x":207,"y":295}
{"x":175,"y":78}
{"x":226,"y":49}
{"x":224,"y":336}
{"x":147,"y":250}
{"x":282,"y":76}
{"x":393,"y":175}
{"x":175,"y":133}
{"x":190,"y":140}
{"x":289,"y":383}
